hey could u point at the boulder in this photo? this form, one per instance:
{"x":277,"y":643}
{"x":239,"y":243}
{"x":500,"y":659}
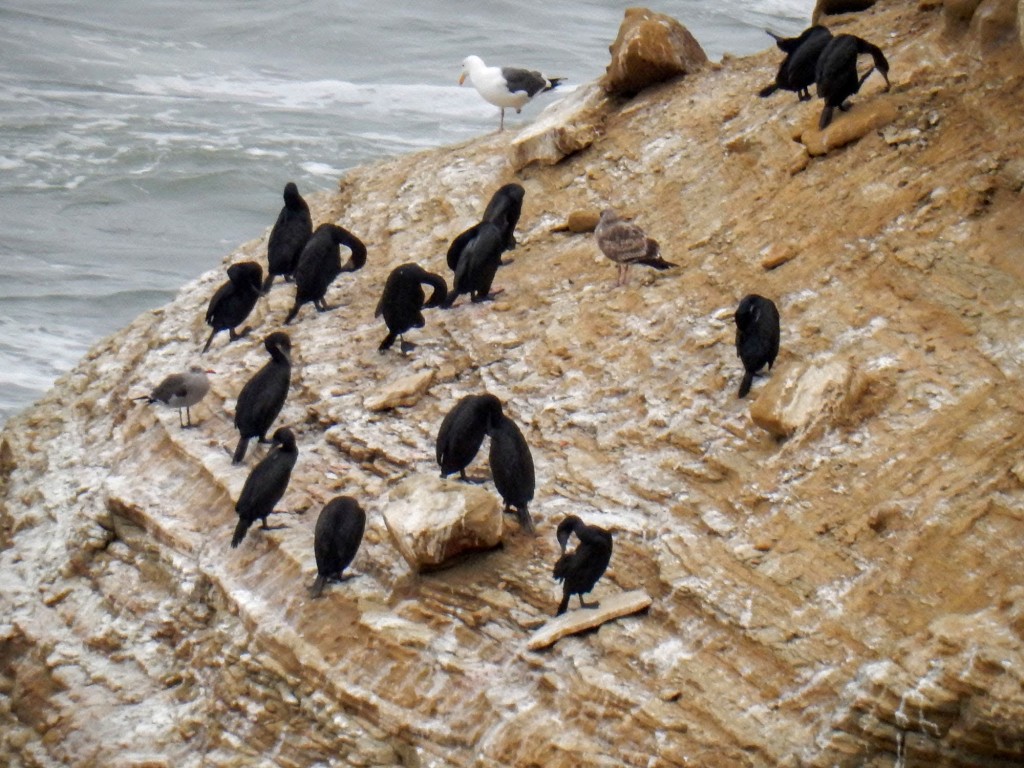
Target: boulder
{"x":957,"y":14}
{"x":405,"y":391}
{"x":650,"y":48}
{"x":432,"y":520}
{"x":994,"y":24}
{"x":835,"y":7}
{"x":796,"y":397}
{"x":563,"y":128}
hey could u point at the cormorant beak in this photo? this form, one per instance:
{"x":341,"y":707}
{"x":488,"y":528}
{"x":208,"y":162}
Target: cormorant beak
{"x":563,"y":539}
{"x":462,"y":78}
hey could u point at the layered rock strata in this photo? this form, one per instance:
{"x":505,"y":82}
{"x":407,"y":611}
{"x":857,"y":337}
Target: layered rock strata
{"x":847,"y":596}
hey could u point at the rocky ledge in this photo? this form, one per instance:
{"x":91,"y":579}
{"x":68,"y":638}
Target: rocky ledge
{"x":835,"y":582}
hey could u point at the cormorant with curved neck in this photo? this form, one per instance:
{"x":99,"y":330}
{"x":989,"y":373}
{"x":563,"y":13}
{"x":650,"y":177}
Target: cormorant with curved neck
{"x":580,"y":569}
{"x":836,"y":72}
{"x":512,"y":468}
{"x":320,"y":263}
{"x":339,"y":531}
{"x":266,"y":484}
{"x":181,"y":390}
{"x":797,"y":70}
{"x":234,"y":300}
{"x":291,"y":232}
{"x":403,"y":301}
{"x":263,"y":396}
{"x":757,"y":336}
{"x":463,"y":430}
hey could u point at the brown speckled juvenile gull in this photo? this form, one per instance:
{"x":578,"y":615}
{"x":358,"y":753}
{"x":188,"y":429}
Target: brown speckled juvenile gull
{"x":626,"y":244}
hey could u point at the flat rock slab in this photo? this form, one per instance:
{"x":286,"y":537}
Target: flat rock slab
{"x":404,"y":392}
{"x":582,"y":619}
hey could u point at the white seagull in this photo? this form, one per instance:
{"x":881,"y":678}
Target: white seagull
{"x":505,"y":86}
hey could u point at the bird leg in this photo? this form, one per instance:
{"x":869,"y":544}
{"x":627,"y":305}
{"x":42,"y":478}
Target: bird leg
{"x":501,"y":125}
{"x":405,"y":346}
{"x":272,"y":527}
{"x":594,"y":604}
{"x":232,"y":336}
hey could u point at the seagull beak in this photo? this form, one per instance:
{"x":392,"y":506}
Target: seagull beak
{"x":462,"y":78}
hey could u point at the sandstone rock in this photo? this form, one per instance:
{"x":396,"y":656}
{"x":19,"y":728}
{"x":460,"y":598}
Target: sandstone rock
{"x":405,"y":391}
{"x":835,"y":7}
{"x":776,"y":255}
{"x":650,"y":48}
{"x":574,"y":622}
{"x":994,"y":24}
{"x":959,"y":12}
{"x":846,"y":127}
{"x":579,"y":222}
{"x":563,"y":128}
{"x":432,"y":520}
{"x":794,"y":398}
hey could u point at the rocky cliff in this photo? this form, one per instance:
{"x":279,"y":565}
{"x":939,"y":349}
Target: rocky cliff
{"x":848,"y":595}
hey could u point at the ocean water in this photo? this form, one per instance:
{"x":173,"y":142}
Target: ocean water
{"x":141,"y":142}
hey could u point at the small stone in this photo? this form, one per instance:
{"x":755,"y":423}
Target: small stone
{"x":406,"y":392}
{"x":580,"y":222}
{"x":777,"y":255}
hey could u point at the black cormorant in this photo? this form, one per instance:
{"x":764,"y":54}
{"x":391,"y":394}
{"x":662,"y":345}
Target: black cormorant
{"x":263,"y":396}
{"x":266,"y":484}
{"x":580,"y":569}
{"x":757,"y":336}
{"x":289,"y":236}
{"x":339,"y":530}
{"x":836,"y":73}
{"x":475,"y":261}
{"x":504,"y":209}
{"x":463,"y":430}
{"x":403,"y":300}
{"x":512,"y":468}
{"x":320,"y":263}
{"x":234,"y":300}
{"x":797,"y":70}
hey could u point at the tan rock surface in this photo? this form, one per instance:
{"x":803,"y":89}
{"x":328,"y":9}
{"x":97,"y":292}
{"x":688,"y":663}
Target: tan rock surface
{"x":848,"y":597}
